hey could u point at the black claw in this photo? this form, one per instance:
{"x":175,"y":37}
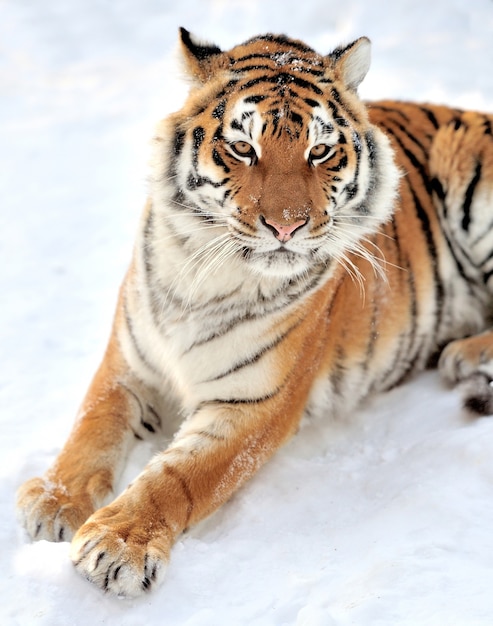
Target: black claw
{"x":38,"y":528}
{"x":478,"y":394}
{"x":146,"y":583}
{"x":116,"y":572}
{"x":61,"y":533}
{"x":148,"y":426}
{"x":153,"y":573}
{"x":100,"y":556}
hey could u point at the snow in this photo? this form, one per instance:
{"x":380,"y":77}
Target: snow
{"x":382,"y":519}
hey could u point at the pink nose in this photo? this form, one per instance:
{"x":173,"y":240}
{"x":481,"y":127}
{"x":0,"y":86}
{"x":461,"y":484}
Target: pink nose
{"x":284,"y":232}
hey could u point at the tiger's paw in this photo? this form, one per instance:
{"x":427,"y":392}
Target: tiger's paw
{"x":464,"y":358}
{"x":469,"y":363}
{"x":47,"y":511}
{"x":120,"y":553}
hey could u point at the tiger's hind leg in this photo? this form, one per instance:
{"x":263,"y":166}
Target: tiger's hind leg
{"x":469,"y":363}
{"x":461,"y":170}
{"x":113,"y":416}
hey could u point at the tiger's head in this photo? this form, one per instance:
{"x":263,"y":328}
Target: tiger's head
{"x":274,"y":155}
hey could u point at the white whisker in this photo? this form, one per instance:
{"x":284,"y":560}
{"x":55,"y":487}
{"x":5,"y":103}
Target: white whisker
{"x":172,"y":236}
{"x":214,"y":258}
{"x":206,"y":258}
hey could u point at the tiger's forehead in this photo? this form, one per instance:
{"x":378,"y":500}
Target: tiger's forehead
{"x":279,"y":87}
{"x":275,"y":52}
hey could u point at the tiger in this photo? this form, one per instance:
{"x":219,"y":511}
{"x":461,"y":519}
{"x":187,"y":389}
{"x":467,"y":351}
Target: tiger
{"x":299,"y":250}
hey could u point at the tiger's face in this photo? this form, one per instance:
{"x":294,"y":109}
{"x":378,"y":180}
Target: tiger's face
{"x":274,"y":147}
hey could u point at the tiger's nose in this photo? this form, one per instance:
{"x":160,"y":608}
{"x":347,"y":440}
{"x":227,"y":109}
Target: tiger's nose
{"x":283,"y":232}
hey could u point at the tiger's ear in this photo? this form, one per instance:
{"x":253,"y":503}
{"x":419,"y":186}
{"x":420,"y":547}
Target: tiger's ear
{"x":352,"y":62}
{"x":202,"y":59}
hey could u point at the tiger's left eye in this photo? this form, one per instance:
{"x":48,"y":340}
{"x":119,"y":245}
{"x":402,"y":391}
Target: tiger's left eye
{"x":319,"y":152}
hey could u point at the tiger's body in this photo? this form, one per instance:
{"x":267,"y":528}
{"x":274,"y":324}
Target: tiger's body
{"x":298,"y":251}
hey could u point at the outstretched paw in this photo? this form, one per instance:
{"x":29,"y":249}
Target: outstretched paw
{"x":121,"y":553}
{"x":48,"y":511}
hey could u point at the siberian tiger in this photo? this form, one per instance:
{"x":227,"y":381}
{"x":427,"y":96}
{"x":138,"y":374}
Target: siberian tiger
{"x":299,"y":250}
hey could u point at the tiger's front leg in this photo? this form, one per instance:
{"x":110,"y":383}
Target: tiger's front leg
{"x":124,"y":547}
{"x":54,"y":506}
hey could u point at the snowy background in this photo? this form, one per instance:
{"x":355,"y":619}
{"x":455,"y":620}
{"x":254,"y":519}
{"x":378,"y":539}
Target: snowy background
{"x":384,"y":519}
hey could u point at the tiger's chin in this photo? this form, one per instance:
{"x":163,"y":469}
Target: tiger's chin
{"x":282,"y":263}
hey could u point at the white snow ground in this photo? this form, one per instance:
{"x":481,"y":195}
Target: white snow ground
{"x":385,"y":519}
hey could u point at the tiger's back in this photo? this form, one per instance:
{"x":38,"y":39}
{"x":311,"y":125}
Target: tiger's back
{"x":299,"y":250}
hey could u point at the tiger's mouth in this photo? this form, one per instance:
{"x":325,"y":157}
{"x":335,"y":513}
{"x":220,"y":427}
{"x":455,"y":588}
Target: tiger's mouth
{"x":279,"y":262}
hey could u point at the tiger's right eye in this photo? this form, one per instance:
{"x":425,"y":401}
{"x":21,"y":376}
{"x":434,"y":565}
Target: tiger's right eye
{"x":319,"y":152}
{"x":244,"y":150}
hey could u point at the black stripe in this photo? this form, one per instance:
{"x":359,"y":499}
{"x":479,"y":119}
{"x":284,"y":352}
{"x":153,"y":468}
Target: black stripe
{"x":281,"y":299}
{"x":338,"y":370}
{"x":409,"y":135}
{"x":258,"y":355}
{"x":431,"y":116}
{"x":424,"y":222}
{"x":342,"y":164}
{"x":283,"y":79}
{"x":487,"y":276}
{"x":254,"y":55}
{"x":216,"y":157}
{"x":335,"y":114}
{"x":269,"y":68}
{"x":466,"y":207}
{"x":487,"y":126}
{"x":352,"y":188}
{"x":247,"y":401}
{"x":254,"y":99}
{"x":372,"y":149}
{"x":178,"y":142}
{"x":311,"y":103}
{"x":468,"y":280}
{"x":326,"y":127}
{"x":337,"y":97}
{"x":412,"y":353}
{"x":198,"y":138}
{"x":135,"y":343}
{"x":437,"y":187}
{"x":385,"y":380}
{"x":415,"y":162}
{"x":251,"y":68}
{"x":194,"y":181}
{"x":430,"y":242}
{"x":218,"y":112}
{"x":388,"y":109}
